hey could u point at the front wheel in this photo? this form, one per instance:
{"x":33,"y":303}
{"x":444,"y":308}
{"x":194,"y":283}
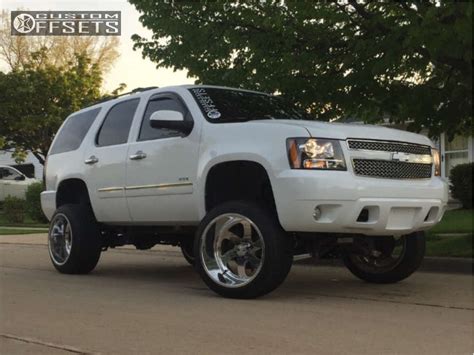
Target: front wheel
{"x":242,"y":251}
{"x":386,"y":259}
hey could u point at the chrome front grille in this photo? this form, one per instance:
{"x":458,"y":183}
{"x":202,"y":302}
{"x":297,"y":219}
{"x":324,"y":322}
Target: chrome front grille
{"x":390,"y":160}
{"x":389,"y":146}
{"x":391,"y":169}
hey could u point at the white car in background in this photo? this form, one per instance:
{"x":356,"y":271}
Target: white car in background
{"x":13,"y":182}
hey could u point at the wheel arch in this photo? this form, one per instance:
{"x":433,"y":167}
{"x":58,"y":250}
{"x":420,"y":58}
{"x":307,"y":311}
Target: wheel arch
{"x":72,"y":191}
{"x":237,"y":179}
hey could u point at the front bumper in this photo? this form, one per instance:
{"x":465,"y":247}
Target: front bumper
{"x":393,"y":207}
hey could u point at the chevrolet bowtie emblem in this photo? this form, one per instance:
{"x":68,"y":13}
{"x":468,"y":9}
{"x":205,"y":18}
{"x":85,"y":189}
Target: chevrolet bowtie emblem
{"x":405,"y":157}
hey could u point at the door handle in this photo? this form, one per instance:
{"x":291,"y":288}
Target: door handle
{"x":138,"y":155}
{"x":91,"y":160}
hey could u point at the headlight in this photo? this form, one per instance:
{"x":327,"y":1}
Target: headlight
{"x":436,"y":161}
{"x":315,"y":153}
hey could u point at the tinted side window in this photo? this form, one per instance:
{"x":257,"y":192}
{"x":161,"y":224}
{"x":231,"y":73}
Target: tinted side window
{"x":117,"y":123}
{"x":147,"y":132}
{"x":74,"y":131}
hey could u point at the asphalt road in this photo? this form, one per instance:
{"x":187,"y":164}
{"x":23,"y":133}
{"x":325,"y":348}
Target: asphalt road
{"x":139,"y":302}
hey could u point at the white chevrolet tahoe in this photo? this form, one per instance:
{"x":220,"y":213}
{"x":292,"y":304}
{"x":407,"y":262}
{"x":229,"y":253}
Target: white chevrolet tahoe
{"x":243,"y":183}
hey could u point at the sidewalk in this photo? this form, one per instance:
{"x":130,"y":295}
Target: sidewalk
{"x":42,"y":239}
{"x":36,"y":239}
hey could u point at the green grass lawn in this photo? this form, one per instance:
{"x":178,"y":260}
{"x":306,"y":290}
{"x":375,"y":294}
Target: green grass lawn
{"x":455,"y":221}
{"x":28,"y":222}
{"x":453,"y":246}
{"x":9,"y":231}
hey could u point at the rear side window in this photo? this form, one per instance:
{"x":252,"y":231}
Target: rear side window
{"x":117,"y":123}
{"x":73,"y":132}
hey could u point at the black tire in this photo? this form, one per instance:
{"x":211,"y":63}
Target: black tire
{"x":187,"y":249}
{"x":86,"y":244}
{"x":408,"y":263}
{"x":277,"y":246}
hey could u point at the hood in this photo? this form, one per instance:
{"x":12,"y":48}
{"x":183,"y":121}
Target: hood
{"x":345,"y":131}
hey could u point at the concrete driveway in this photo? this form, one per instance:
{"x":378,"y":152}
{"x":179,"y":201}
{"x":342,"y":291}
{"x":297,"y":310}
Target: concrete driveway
{"x":140,"y":302}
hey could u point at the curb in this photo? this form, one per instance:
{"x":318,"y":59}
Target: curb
{"x":448,"y":265}
{"x":429,"y":264}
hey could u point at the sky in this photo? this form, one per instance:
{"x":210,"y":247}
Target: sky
{"x":130,"y":68}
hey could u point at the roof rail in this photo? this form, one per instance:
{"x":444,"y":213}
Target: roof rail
{"x":134,"y":91}
{"x":144,"y":89}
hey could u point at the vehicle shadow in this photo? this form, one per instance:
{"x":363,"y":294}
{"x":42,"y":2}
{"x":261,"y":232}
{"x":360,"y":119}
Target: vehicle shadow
{"x":303,"y":282}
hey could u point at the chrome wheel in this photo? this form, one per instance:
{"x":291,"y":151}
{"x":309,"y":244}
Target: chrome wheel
{"x":232,"y":250}
{"x":60,"y":239}
{"x":380,"y":254}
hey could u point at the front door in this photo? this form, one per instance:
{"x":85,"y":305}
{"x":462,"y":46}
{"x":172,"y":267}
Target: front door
{"x":106,"y":163}
{"x":161,"y":169}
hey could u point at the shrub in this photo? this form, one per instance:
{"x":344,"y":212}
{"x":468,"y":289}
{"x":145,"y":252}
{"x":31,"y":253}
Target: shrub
{"x":14,"y":209}
{"x":33,"y":202}
{"x":461,"y":183}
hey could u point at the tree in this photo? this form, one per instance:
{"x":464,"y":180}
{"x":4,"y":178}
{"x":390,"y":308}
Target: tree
{"x":35,"y":100}
{"x":16,"y":51}
{"x":49,"y":78}
{"x":408,"y":61}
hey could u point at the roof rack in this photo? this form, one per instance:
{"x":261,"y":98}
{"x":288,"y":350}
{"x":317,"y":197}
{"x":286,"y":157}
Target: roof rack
{"x":134,"y":91}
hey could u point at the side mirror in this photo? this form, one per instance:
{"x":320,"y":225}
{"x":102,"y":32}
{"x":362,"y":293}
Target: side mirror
{"x":171,"y":120}
{"x":20,"y":178}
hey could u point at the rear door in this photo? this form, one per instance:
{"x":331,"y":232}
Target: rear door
{"x":106,"y":163}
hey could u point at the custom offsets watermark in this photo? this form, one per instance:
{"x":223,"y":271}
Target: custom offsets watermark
{"x":65,"y":23}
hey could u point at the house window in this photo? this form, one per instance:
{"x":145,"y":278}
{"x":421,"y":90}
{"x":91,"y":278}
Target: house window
{"x":456,"y":152}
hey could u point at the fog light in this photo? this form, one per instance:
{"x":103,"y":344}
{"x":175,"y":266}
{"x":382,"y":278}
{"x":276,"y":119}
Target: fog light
{"x":317,"y":213}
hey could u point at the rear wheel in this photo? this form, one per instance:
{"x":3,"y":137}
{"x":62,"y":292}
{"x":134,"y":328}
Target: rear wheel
{"x":386,"y":259}
{"x":187,"y":249}
{"x":242,"y":251}
{"x":74,"y":239}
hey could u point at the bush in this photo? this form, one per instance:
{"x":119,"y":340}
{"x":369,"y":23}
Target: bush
{"x":14,"y":209}
{"x":461,"y":183}
{"x":33,"y":202}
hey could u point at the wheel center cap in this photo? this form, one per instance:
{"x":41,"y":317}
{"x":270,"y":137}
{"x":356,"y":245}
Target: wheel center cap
{"x":242,"y":248}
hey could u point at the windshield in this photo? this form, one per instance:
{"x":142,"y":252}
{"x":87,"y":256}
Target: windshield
{"x":226,"y":105}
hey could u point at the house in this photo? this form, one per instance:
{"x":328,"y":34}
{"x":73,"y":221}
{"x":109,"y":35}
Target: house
{"x":460,"y":150}
{"x":31,"y":167}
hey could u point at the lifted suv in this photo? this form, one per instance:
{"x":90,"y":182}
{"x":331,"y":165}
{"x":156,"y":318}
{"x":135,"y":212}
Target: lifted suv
{"x":242,"y":182}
